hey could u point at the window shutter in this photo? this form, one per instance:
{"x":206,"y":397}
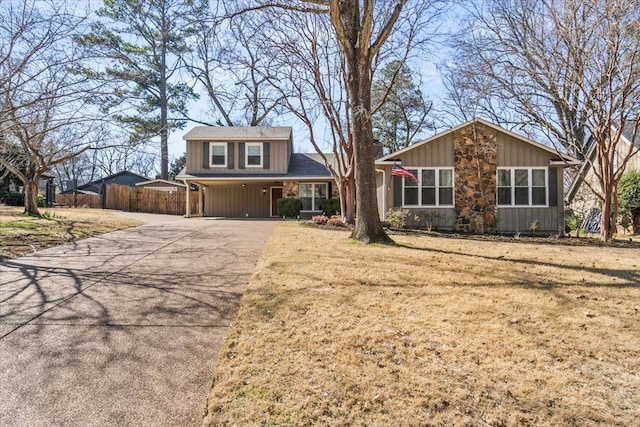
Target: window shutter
{"x":553,"y":187}
{"x":229,"y":155}
{"x":329,"y":193}
{"x":241,"y":155}
{"x":266,"y":156}
{"x":397,"y":191}
{"x":205,"y":155}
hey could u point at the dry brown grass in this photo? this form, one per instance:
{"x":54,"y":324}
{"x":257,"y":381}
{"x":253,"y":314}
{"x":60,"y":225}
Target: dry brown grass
{"x":20,"y":234}
{"x":439,"y":331}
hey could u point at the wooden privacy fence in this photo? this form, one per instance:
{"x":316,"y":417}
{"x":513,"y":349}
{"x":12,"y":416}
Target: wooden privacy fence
{"x":134,"y":199}
{"x":83,"y":200}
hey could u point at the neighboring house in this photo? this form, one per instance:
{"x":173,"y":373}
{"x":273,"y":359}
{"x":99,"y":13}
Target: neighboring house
{"x":96,"y":187}
{"x":162,"y":185}
{"x":581,"y":196}
{"x":477,"y":177}
{"x":241,"y":172}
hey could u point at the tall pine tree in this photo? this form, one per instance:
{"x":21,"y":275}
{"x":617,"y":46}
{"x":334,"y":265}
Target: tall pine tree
{"x":140,"y":43}
{"x":400,"y":110}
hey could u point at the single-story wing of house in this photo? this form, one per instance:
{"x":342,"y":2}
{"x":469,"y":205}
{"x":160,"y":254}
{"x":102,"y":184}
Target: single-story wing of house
{"x":475,"y":177}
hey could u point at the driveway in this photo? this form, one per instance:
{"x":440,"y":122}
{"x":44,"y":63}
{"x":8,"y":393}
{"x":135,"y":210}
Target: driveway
{"x":125,"y":328}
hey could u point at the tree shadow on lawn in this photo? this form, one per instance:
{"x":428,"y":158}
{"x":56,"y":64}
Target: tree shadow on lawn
{"x":630,"y":277}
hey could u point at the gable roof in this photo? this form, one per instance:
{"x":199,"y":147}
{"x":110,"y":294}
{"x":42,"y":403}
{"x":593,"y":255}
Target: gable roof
{"x":563,"y":157}
{"x":238,"y":133}
{"x":627,"y":133}
{"x":160,"y":181}
{"x":309,"y":164}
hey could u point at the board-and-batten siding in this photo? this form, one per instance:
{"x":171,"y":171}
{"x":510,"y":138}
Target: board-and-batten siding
{"x":437,"y":153}
{"x":514,"y":153}
{"x":278,"y":159}
{"x":235,"y":201}
{"x":551,"y":218}
{"x":520,"y":219}
{"x":511,"y":153}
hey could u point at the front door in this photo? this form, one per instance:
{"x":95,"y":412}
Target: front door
{"x":276,"y":194}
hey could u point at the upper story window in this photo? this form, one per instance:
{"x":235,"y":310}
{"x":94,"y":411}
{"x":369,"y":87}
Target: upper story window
{"x":253,"y":155}
{"x":218,"y":154}
{"x":522,"y":187}
{"x":434,"y":187}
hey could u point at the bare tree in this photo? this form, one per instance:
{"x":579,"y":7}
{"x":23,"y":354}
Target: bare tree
{"x":309,"y":72}
{"x":231,"y":49}
{"x":43,"y":103}
{"x":567,"y":67}
{"x":107,"y":159}
{"x":358,"y":30}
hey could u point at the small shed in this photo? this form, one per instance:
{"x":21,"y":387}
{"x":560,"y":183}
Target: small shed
{"x":162,"y":185}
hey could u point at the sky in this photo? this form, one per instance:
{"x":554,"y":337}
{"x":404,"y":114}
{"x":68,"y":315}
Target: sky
{"x":432,"y":87}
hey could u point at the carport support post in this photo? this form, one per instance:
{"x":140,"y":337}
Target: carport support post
{"x":188,"y":201}
{"x":200,"y":200}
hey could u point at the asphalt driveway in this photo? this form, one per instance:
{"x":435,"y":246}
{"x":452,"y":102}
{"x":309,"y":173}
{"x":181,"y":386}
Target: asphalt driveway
{"x":123,"y":328}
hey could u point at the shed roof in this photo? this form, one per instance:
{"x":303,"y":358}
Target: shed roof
{"x":238,"y":133}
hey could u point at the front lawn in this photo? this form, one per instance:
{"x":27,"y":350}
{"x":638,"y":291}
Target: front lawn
{"x":20,"y":234}
{"x":436,"y":331}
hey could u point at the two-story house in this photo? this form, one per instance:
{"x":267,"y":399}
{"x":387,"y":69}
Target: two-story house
{"x":476,"y":177}
{"x":241,"y":172}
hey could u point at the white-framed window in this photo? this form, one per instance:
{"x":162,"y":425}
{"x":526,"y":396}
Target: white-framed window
{"x":523,"y":187}
{"x":253,"y":154}
{"x":434,"y":187}
{"x":218,"y":154}
{"x":312,"y":194}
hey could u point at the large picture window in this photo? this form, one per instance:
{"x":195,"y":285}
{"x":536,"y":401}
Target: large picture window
{"x":253,"y":153}
{"x":522,"y":187}
{"x":218,"y":154}
{"x":434,"y":187}
{"x":311,"y":195}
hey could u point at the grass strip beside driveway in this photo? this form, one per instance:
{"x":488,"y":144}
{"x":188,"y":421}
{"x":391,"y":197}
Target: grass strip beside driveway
{"x":435,"y":331}
{"x":21,"y":234}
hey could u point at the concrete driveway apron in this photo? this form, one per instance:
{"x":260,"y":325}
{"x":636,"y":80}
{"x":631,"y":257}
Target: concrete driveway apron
{"x":123,"y":328}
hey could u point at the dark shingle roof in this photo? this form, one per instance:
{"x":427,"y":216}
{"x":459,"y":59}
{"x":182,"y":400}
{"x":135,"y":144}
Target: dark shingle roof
{"x":308,"y":164}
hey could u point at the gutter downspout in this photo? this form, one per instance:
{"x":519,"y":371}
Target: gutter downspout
{"x":384,"y":192}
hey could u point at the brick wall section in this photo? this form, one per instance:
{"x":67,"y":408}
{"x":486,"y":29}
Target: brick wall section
{"x":475,"y":193}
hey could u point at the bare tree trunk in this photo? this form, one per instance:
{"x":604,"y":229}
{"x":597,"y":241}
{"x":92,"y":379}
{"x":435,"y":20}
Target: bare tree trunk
{"x":31,"y":197}
{"x":349,"y":214}
{"x":368,"y":227}
{"x":605,"y":220}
